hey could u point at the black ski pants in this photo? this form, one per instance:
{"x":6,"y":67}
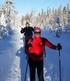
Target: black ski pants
{"x":33,"y":66}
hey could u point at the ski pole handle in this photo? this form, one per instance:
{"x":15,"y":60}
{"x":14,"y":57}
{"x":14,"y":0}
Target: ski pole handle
{"x":59,"y":47}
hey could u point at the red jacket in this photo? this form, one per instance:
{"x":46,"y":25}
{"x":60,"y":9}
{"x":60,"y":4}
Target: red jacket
{"x":36,"y":47}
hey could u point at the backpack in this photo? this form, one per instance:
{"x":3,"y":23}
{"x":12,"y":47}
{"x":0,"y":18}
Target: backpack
{"x":29,"y":45}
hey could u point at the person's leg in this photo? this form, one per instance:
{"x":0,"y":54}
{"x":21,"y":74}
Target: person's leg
{"x":32,"y":70}
{"x":40,"y":71}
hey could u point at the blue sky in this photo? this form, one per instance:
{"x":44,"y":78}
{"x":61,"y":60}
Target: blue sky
{"x":24,"y":6}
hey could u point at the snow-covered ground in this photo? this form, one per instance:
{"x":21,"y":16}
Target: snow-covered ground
{"x":13,"y":59}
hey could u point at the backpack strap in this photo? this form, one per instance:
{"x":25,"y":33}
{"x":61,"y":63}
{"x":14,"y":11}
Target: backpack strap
{"x":29,"y":43}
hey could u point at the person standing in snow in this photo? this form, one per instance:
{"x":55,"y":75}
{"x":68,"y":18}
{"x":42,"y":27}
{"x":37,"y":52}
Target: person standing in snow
{"x":28,"y":32}
{"x":35,"y":52}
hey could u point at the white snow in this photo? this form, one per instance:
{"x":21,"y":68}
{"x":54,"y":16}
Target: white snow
{"x":13,"y":59}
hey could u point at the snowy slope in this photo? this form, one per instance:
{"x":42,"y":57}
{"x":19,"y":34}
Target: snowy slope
{"x":53,"y":58}
{"x":13,"y":59}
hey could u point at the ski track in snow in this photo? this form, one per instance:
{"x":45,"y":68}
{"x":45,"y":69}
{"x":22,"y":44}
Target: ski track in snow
{"x":13,"y":59}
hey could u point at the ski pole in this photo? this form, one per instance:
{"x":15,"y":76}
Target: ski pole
{"x":59,"y":66}
{"x":26,"y":71}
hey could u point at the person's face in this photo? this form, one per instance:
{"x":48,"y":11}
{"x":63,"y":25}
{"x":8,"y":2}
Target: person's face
{"x":37,"y":34}
{"x":27,"y":25}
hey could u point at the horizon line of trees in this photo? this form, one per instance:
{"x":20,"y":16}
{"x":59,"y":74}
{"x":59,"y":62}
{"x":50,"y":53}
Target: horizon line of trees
{"x":60,"y":16}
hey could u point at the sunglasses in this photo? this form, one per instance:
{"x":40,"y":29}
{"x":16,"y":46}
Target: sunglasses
{"x":37,"y":32}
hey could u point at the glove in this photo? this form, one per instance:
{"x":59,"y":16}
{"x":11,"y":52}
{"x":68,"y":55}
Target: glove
{"x":59,"y":47}
{"x":21,"y":30}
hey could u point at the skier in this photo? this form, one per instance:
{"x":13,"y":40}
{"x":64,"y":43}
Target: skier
{"x":28,"y":32}
{"x":35,"y":51}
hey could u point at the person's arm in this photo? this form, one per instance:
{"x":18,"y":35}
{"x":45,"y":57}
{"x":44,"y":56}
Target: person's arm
{"x":49,"y":44}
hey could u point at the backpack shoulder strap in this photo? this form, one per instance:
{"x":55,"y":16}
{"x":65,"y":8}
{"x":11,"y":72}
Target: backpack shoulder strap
{"x":42,"y":40}
{"x":30,"y":40}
